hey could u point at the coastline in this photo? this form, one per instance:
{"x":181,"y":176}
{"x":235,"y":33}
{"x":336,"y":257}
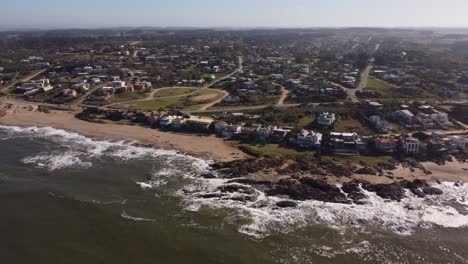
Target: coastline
{"x":207,"y":147}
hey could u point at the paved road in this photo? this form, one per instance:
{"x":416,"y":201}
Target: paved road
{"x":362,"y":84}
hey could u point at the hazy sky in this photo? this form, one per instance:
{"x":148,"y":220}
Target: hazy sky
{"x":233,"y":13}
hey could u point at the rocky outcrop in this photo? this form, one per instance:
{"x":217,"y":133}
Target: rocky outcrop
{"x":308,"y":189}
{"x":286,"y":204}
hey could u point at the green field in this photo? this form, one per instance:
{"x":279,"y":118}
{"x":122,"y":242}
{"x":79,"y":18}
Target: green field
{"x":173,"y":92}
{"x":352,"y":125}
{"x":274,"y":150}
{"x":129,"y":96}
{"x":373,"y":83}
{"x":156,"y":104}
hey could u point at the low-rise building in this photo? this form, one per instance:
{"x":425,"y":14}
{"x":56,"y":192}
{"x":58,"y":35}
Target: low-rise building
{"x":326,"y":119}
{"x":346,"y":142}
{"x":404,"y":117}
{"x":307,"y":139}
{"x":410,"y":145}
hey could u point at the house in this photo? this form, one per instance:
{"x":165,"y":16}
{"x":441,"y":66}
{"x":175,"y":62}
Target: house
{"x":231,"y":130}
{"x":231,"y":100}
{"x":380,"y":125}
{"x":372,"y":105}
{"x":326,"y":119}
{"x":261,"y":134}
{"x":278,"y":135}
{"x":346,"y":142}
{"x":248,"y":85}
{"x":69,"y":93}
{"x":386,"y":145}
{"x":220,"y":126}
{"x":404,"y":117}
{"x":410,"y":145}
{"x":177,"y":122}
{"x":440,"y":118}
{"x":424,"y":120}
{"x":198,"y":124}
{"x":166,"y":121}
{"x":117,"y":84}
{"x":44,"y":85}
{"x":247,"y":133}
{"x":307,"y":139}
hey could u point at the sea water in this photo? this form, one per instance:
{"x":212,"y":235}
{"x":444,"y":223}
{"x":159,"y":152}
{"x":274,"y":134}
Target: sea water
{"x":66,"y":198}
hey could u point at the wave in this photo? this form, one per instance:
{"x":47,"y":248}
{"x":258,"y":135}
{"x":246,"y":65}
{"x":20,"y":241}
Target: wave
{"x":77,"y":151}
{"x":137,"y":219}
{"x":264,"y":217}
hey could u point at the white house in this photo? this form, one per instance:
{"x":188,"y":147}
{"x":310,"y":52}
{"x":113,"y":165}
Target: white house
{"x":410,"y":145}
{"x":326,"y":119}
{"x":307,"y":139}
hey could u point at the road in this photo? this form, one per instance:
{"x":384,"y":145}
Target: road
{"x":362,"y":84}
{"x":206,"y":86}
{"x":284,"y":95}
{"x":240,"y":108}
{"x":24,"y":79}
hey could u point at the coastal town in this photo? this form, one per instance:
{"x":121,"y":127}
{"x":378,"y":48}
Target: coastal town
{"x":337,"y":95}
{"x":234,"y":132}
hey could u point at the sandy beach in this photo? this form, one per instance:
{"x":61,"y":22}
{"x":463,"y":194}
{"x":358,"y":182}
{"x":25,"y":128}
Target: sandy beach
{"x":209,"y":147}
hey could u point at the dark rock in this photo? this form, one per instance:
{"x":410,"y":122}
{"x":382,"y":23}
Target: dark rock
{"x":208,"y":176}
{"x":353,"y":191}
{"x":432,"y":191}
{"x":308,"y":189}
{"x":387,"y":191}
{"x":286,"y":204}
{"x":250,"y":181}
{"x":211,"y":195}
{"x":232,"y":188}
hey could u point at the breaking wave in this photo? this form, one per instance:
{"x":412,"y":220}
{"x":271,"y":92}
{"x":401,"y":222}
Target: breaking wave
{"x":258,"y":215}
{"x":77,"y":151}
{"x":262,"y":217}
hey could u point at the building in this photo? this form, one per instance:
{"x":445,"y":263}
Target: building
{"x":326,"y":119}
{"x":231,"y":100}
{"x":404,"y":117}
{"x":410,"y":145}
{"x":307,"y":139}
{"x":386,"y":145}
{"x":424,"y":120}
{"x":346,"y":142}
{"x":278,"y":135}
{"x":380,"y":125}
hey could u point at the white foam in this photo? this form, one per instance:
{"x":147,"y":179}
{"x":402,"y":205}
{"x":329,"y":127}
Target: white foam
{"x":83,"y":151}
{"x":263,"y":217}
{"x":133,"y":218}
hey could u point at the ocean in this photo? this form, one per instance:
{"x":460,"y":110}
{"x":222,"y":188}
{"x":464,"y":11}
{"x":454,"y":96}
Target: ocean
{"x":65,"y":198}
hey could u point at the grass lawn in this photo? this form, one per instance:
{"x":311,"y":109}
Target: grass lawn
{"x":342,"y":157}
{"x":272,"y":150}
{"x":373,"y":83}
{"x":208,"y":92}
{"x":352,"y":125}
{"x":173,"y":92}
{"x":122,"y":97}
{"x":305,"y":122}
{"x":155,"y":104}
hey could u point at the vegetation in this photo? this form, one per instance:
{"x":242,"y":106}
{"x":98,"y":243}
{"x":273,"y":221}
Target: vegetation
{"x":274,"y":150}
{"x":122,"y":97}
{"x":173,"y":92}
{"x":374,"y":83}
{"x":342,"y":158}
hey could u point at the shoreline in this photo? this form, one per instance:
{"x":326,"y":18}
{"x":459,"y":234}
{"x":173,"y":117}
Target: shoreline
{"x":206,"y":147}
{"x":203,"y":146}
